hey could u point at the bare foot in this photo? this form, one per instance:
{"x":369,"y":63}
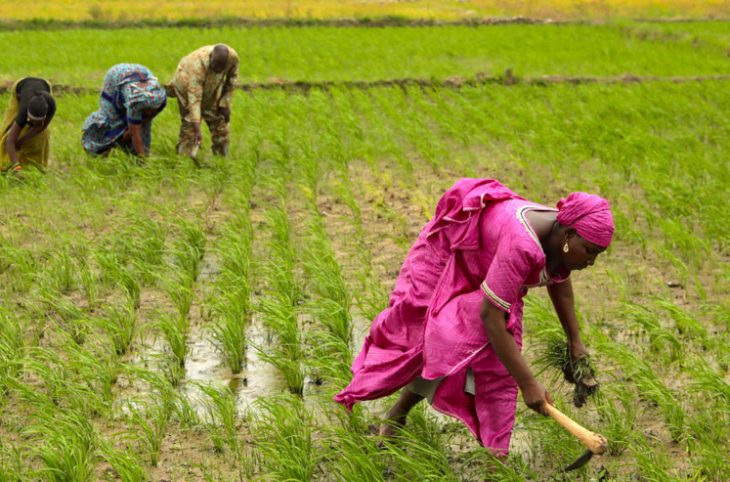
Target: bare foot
{"x":390,"y":426}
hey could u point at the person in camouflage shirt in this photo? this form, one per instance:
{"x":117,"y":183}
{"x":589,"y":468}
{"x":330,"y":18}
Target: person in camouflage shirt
{"x":203,"y":85}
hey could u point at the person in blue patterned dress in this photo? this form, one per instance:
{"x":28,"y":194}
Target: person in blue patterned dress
{"x":131,"y":97}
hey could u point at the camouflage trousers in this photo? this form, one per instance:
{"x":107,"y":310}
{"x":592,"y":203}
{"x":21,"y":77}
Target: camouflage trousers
{"x":220,"y":134}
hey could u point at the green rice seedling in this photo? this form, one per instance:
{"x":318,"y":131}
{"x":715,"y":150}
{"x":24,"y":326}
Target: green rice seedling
{"x":280,"y":271}
{"x":652,"y":462}
{"x":279,"y":315}
{"x":221,"y":410}
{"x":70,"y":376}
{"x":73,"y":319}
{"x":228,"y":336}
{"x":330,"y":359}
{"x":280,"y":276}
{"x":673,"y":413}
{"x":120,"y":324}
{"x":171,"y":368}
{"x":343,"y":190}
{"x":480,"y":463}
{"x":708,"y":382}
{"x":351,"y":455}
{"x":124,"y":462}
{"x":179,"y":287}
{"x":720,"y":313}
{"x":88,"y":281}
{"x":21,"y":265}
{"x":13,"y":466}
{"x":190,"y":248}
{"x":552,"y":351}
{"x":235,"y":256}
{"x":373,"y":295}
{"x":283,"y":438}
{"x":231,"y":294}
{"x":115,"y":273}
{"x":12,"y":349}
{"x":617,"y":410}
{"x":649,"y":385}
{"x":193,"y":236}
{"x":709,"y":437}
{"x":289,"y":361}
{"x":149,"y":429}
{"x":67,"y":444}
{"x":174,"y":329}
{"x":687,"y":325}
{"x":335,"y":317}
{"x":63,"y":272}
{"x":661,"y":340}
{"x":140,"y":244}
{"x":170,"y":400}
{"x":418,"y":451}
{"x":98,"y":369}
{"x":325,"y":279}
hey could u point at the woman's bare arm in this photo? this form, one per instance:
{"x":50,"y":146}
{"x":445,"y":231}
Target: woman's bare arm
{"x":505,"y":346}
{"x":32,"y":132}
{"x":135,"y":132}
{"x":561,"y":295}
{"x":11,"y":143}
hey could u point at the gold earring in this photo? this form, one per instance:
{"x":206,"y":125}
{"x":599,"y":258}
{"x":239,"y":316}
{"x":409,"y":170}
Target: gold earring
{"x":565,"y":247}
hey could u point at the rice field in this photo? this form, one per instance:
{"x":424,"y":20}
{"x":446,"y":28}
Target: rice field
{"x":78,"y":57}
{"x":111,"y":10}
{"x":168,"y":322}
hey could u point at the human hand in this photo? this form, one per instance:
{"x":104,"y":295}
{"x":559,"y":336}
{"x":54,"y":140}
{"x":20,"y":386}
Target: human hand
{"x":226,"y":113}
{"x":578,"y":350}
{"x":535,"y":395}
{"x":580,"y":372}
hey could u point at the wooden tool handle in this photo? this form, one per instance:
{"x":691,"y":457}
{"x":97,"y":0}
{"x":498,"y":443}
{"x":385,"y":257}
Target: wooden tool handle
{"x":595,"y":442}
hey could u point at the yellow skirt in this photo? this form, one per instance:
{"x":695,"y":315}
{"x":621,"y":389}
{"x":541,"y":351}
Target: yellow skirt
{"x":34,"y":151}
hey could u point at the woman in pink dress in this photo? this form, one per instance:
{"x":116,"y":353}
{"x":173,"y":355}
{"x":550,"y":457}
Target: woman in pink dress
{"x":452,"y":332}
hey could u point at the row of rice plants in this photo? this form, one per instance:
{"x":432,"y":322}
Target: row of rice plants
{"x":230,"y":301}
{"x":178,"y":283}
{"x":278,"y":305}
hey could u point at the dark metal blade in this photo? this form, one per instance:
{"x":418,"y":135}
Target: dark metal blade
{"x":580,"y":461}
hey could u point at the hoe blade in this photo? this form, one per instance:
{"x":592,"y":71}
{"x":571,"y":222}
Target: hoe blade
{"x":580,"y":461}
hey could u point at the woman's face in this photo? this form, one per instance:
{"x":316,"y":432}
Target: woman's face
{"x":581,"y":252}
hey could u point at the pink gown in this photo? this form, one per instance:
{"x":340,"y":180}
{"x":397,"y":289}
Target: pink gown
{"x":478,"y":245}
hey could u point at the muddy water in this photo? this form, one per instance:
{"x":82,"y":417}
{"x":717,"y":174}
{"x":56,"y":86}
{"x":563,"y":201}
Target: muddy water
{"x":360,"y":329}
{"x":204,"y":364}
{"x":133,"y":390}
{"x":258,"y":378}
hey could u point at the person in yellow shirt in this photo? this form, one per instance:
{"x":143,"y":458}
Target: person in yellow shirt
{"x":24,"y":135}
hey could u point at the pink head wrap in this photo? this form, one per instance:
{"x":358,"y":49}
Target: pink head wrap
{"x":590,"y":215}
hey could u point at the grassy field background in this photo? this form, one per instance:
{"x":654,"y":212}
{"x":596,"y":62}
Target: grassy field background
{"x":80,"y":57}
{"x":164,"y":322}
